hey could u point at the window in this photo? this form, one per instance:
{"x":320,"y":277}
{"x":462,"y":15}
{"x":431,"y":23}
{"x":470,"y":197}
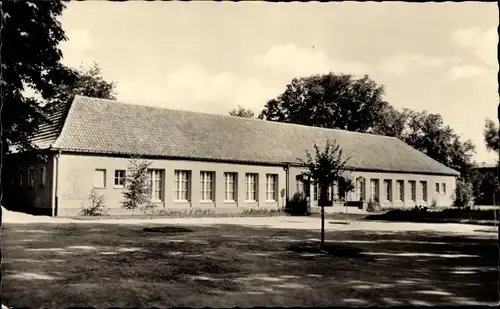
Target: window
{"x":423,"y":186}
{"x":400,"y":190}
{"x":21,"y":179}
{"x":335,"y":188}
{"x":181,"y":185}
{"x":156,"y":180}
{"x":300,"y":184}
{"x":444,"y":188}
{"x":388,"y":190}
{"x":374,"y":189}
{"x":271,"y":187}
{"x":315,"y":192}
{"x":119,"y":178}
{"x":31,"y":177}
{"x":251,"y":187}
{"x":413,"y":191}
{"x":207,"y":186}
{"x":437,"y":187}
{"x":100,"y":178}
{"x":43,"y":176}
{"x":230,"y":180}
{"x":359,"y":189}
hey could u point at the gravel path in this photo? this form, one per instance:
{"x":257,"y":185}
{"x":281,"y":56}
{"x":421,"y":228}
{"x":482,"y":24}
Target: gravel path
{"x":283,"y":222}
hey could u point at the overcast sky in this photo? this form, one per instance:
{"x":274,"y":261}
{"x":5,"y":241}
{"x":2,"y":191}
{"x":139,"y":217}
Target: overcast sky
{"x":211,"y":57}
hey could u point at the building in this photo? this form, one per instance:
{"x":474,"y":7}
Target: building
{"x":206,"y":161}
{"x":485,"y":180}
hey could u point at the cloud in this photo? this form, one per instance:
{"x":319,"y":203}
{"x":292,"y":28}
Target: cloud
{"x":77,"y":49}
{"x":407,"y":63}
{"x":192,"y":87}
{"x":483,"y":43}
{"x":291,"y":61}
{"x":466,"y":71}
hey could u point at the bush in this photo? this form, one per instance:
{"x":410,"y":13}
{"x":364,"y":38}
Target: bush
{"x":96,"y":206}
{"x":434,"y":203}
{"x":463,"y":195}
{"x":298,"y":205}
{"x":373,"y":206}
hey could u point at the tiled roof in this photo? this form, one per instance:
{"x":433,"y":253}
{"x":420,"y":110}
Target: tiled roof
{"x":104,"y":126}
{"x":50,"y":130}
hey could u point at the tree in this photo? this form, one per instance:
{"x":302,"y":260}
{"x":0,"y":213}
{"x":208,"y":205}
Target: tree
{"x":137,"y":187}
{"x":491,"y":135}
{"x":87,"y":82}
{"x":324,"y":169}
{"x":242,"y":112}
{"x":346,"y":185}
{"x":428,"y":133}
{"x":30,"y":58}
{"x":329,"y":101}
{"x":463,"y":195}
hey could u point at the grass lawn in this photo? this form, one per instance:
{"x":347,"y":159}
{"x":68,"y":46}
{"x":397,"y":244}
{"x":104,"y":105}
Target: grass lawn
{"x":100,"y":265}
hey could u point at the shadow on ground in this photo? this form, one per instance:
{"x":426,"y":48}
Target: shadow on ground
{"x":47,"y":265}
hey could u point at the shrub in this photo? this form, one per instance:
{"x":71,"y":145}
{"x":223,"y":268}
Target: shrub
{"x":373,"y":206}
{"x":298,"y":205}
{"x":434,"y":203}
{"x":463,"y":195}
{"x":96,"y":205}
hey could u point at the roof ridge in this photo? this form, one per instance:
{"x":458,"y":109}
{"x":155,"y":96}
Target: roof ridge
{"x":233,"y":117}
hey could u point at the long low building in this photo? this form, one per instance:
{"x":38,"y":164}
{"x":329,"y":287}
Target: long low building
{"x":206,"y":161}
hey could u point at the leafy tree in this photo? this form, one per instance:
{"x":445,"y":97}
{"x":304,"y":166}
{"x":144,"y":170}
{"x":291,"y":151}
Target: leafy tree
{"x":329,"y":101}
{"x":30,"y":58}
{"x":325,"y":168}
{"x":87,"y":82}
{"x":242,"y":112}
{"x":491,"y":135}
{"x":428,"y":133}
{"x":463,"y":195}
{"x":137,"y":187}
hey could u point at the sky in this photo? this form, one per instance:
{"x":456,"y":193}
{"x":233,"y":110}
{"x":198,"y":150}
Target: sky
{"x":212,"y":56}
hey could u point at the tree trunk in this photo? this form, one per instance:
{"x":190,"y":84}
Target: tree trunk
{"x":322,"y":200}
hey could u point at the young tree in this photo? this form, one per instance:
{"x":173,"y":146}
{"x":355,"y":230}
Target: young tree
{"x":346,"y":185}
{"x":137,"y":187}
{"x":325,"y":168}
{"x":242,"y":112}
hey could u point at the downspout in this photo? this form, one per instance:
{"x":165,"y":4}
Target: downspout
{"x":286,"y":167}
{"x":56,"y":184}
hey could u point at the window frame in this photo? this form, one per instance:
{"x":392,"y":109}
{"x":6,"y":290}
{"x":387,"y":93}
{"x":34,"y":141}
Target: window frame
{"x":424,"y":190}
{"x":156,"y":183}
{"x":119,"y":177}
{"x":182,"y":186}
{"x":31,"y":177}
{"x":400,"y":190}
{"x":207,"y":186}
{"x":104,"y":177}
{"x":248,"y":185}
{"x":43,"y":176}
{"x":271,"y":187}
{"x":388,"y":190}
{"x":412,"y":184}
{"x":233,"y":183}
{"x":374,"y":189}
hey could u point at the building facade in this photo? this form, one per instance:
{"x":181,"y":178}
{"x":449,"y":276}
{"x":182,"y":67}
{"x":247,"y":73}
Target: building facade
{"x":201,"y":161}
